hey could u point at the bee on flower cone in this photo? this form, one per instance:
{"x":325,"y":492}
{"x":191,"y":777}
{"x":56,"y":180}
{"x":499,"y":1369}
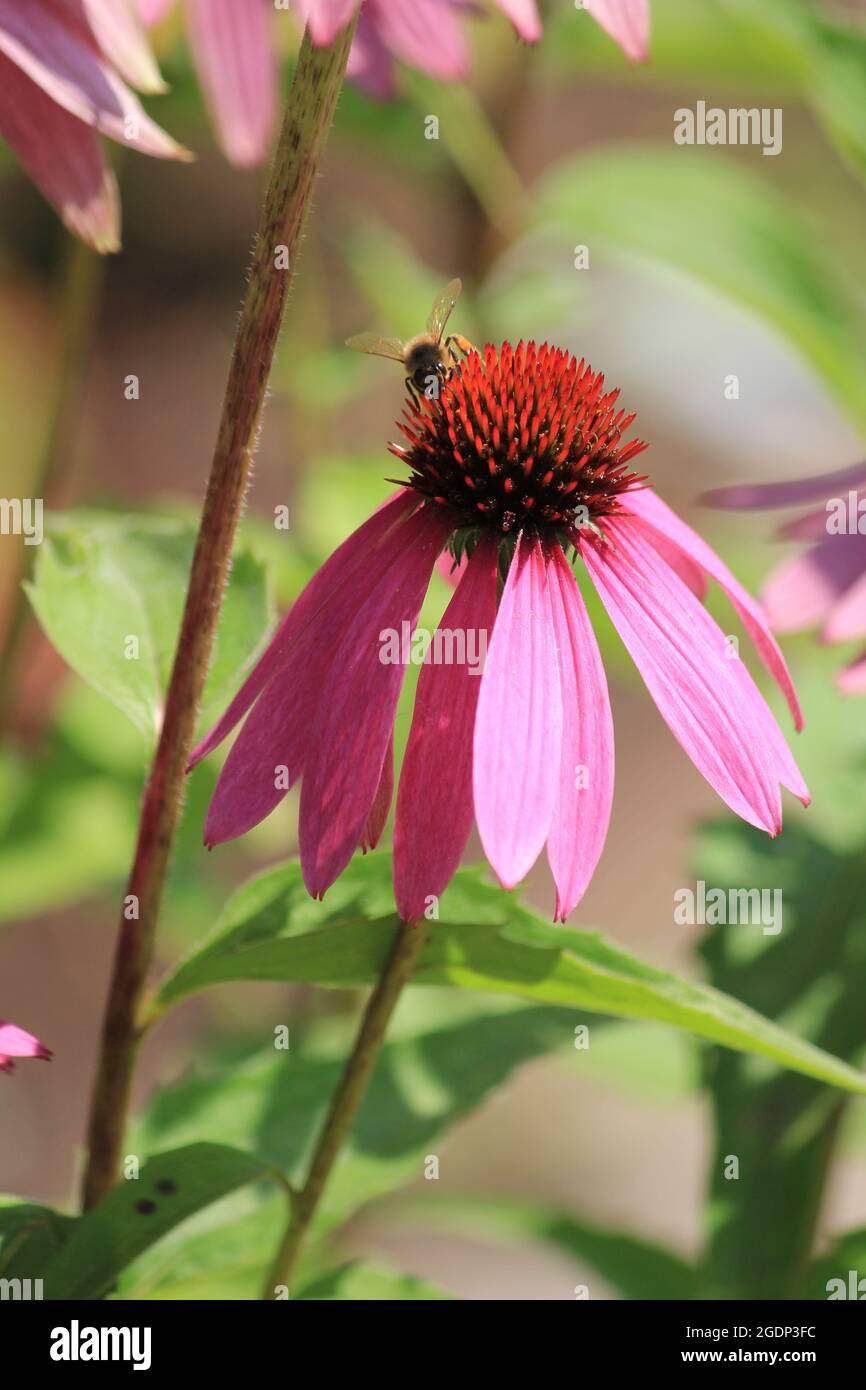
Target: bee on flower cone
{"x":518,"y":469}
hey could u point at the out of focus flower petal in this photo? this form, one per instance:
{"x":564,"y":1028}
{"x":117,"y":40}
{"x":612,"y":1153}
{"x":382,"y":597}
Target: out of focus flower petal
{"x":235,"y":59}
{"x":795,"y":493}
{"x":627,"y":22}
{"x":118,"y":29}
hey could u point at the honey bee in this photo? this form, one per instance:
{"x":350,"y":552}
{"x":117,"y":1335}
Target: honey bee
{"x":428,"y":357}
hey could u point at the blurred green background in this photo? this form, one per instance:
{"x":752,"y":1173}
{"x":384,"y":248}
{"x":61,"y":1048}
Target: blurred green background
{"x":701,"y":264}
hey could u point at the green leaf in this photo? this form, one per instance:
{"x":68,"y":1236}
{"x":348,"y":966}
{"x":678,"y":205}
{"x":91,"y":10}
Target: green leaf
{"x":170,"y":1188}
{"x":109,"y":592}
{"x":30,"y":1237}
{"x":637,"y":1268}
{"x":425,"y":1082}
{"x":365,"y":1284}
{"x":494,"y":945}
{"x":711,"y":220}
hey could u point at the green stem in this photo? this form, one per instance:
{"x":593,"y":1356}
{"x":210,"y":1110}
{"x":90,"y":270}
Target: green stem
{"x":307,"y":122}
{"x":346,"y":1100}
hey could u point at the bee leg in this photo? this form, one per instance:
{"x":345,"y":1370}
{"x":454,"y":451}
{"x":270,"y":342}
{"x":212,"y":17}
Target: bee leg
{"x":412,"y":388}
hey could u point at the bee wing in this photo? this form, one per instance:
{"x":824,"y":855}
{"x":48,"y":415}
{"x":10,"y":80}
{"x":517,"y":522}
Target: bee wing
{"x":379,"y":347}
{"x":441,"y":311}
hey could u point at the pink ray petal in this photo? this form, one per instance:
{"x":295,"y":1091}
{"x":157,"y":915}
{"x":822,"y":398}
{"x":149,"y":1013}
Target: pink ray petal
{"x":117,"y":26}
{"x":15,"y":1042}
{"x":370,"y":63}
{"x":518,"y":727}
{"x":434,"y":801}
{"x":152,"y":11}
{"x":680,"y":652}
{"x":796,"y":492}
{"x":236,"y":62}
{"x":274,"y":744}
{"x":524,"y":16}
{"x":325,"y":18}
{"x":378,"y":817}
{"x":358,"y":705}
{"x":664,"y":522}
{"x":847,"y":618}
{"x":852,"y":680}
{"x":62,"y":157}
{"x":582,"y":813}
{"x":802,"y":590}
{"x":425,"y":34}
{"x":55,"y":54}
{"x":627,"y":22}
{"x":354,"y":552}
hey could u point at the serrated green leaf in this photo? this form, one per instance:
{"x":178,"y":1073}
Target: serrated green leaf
{"x":109,"y":592}
{"x":495,"y":945}
{"x":170,"y":1188}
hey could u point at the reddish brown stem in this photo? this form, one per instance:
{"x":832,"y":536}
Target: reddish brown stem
{"x":309,"y":112}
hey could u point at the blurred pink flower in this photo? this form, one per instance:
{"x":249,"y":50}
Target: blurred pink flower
{"x":14,"y":1042}
{"x":518,"y":462}
{"x":62,"y":65}
{"x":824,"y":586}
{"x":233,"y":50}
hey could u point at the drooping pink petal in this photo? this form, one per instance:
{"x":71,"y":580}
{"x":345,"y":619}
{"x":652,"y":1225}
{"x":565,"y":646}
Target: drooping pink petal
{"x":59,"y":58}
{"x":847,"y":618}
{"x":627,"y":22}
{"x":152,"y":11}
{"x":664,"y":522}
{"x":325,"y":18}
{"x":274,"y":744}
{"x":434,"y":800}
{"x":852,"y":679}
{"x":15,"y":1042}
{"x":358,"y":702}
{"x":802,"y":590}
{"x":378,"y":817}
{"x":582,"y":813}
{"x":357,"y":550}
{"x":797,"y":492}
{"x":681,"y":654}
{"x":119,"y":31}
{"x":518,"y":726}
{"x":425,"y":34}
{"x":236,"y":62}
{"x":524,"y":16}
{"x":62,"y":157}
{"x":370,"y":63}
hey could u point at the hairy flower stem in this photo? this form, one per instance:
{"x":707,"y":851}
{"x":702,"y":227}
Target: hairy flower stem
{"x":347,"y":1098}
{"x":309,"y":112}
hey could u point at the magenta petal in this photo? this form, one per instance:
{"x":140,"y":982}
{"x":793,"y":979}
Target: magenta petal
{"x":370,"y":62}
{"x":802,"y":590}
{"x":425,"y":34}
{"x":664,"y":523}
{"x":119,"y":31}
{"x":707,"y":700}
{"x":63,"y":158}
{"x":15,"y":1042}
{"x":847,"y":618}
{"x":434,"y":801}
{"x":377,"y":819}
{"x":354,"y":552}
{"x":797,"y":492}
{"x":231,"y":43}
{"x":518,"y":728}
{"x":59,"y":56}
{"x":627,"y":22}
{"x":272,"y":748}
{"x":582,"y":813}
{"x":358,"y":703}
{"x":524,"y":16}
{"x":326,"y":18}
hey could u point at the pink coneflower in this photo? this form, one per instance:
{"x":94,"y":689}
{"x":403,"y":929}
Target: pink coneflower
{"x":14,"y":1042}
{"x":520,"y":464}
{"x":233,"y":48}
{"x":62,"y":65}
{"x":824,"y":586}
